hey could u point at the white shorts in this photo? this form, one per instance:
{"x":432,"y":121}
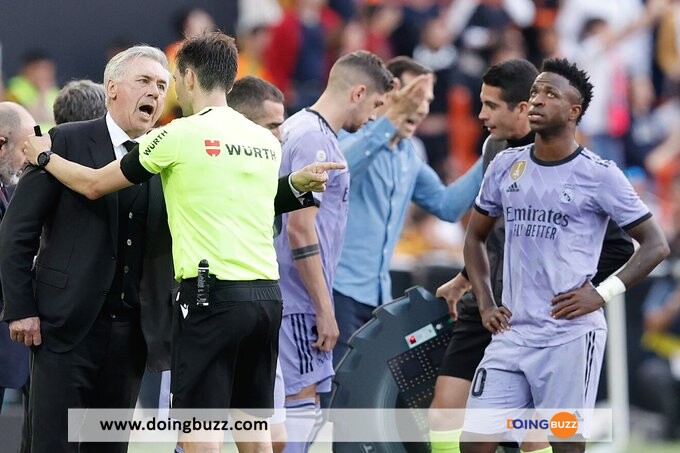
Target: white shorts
{"x":511,"y":378}
{"x":302,"y":364}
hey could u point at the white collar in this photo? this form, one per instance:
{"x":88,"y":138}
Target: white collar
{"x":118,"y":135}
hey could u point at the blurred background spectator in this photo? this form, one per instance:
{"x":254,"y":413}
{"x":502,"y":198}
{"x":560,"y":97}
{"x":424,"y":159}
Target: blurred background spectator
{"x":371,"y":29}
{"x":303,"y":47}
{"x":659,"y":372}
{"x":35,"y":87}
{"x":254,"y":36}
{"x":188,"y":23}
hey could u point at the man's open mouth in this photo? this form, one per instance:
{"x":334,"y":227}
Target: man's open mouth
{"x":147,"y":109}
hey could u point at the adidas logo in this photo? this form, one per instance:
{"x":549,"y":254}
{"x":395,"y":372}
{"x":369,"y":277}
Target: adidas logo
{"x":513,"y":187}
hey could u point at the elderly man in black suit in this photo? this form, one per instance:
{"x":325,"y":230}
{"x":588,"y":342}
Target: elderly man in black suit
{"x":16,"y":124}
{"x":95,"y":304}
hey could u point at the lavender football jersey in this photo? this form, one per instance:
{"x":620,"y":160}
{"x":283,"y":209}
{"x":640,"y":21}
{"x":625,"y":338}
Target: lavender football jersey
{"x":307,"y":138}
{"x":555,"y":216}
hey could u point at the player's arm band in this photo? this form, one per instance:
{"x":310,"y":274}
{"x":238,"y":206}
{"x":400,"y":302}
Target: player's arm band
{"x":305,"y":252}
{"x":611,"y":287}
{"x":132,"y":169}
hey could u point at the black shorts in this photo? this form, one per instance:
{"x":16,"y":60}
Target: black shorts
{"x":465,"y":349}
{"x":224,"y":355}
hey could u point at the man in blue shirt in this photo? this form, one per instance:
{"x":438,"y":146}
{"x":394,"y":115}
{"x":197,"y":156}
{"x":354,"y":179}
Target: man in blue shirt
{"x":386,"y":175}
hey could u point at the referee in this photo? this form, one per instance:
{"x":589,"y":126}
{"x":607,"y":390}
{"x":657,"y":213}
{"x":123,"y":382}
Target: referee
{"x":219,"y":173}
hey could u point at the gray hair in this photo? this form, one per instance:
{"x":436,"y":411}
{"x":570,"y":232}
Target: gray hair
{"x":117,"y":66}
{"x":80,"y":100}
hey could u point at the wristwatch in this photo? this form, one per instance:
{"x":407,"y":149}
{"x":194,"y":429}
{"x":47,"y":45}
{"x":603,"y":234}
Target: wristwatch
{"x":44,"y":158}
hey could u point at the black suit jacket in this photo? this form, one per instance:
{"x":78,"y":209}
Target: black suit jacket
{"x":76,"y":243}
{"x":13,"y":356}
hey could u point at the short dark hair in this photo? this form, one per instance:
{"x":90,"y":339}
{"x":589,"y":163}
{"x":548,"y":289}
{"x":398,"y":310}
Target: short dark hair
{"x":181,"y":18}
{"x":514,"y":78}
{"x":214,"y":58}
{"x":589,"y":26}
{"x":79,"y":100}
{"x":577,"y":78}
{"x":249,"y":93}
{"x":368,"y":64}
{"x":179,"y":21}
{"x":399,"y":65}
{"x":34,"y":56}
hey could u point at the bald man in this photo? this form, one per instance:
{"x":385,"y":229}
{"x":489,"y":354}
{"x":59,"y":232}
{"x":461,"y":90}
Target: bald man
{"x":16,"y":124}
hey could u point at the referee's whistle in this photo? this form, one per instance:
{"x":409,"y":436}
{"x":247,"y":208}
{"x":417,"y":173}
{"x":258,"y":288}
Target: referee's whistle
{"x":38,"y":131}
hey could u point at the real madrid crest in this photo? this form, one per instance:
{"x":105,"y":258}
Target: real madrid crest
{"x":567,"y":193}
{"x":518,"y":170}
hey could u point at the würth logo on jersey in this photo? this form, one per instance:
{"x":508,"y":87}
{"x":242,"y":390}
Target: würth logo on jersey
{"x":212,"y":147}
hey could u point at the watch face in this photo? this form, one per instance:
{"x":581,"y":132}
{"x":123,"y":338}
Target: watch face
{"x":43,"y":159}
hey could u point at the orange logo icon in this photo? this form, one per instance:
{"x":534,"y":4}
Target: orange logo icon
{"x":563,"y":425}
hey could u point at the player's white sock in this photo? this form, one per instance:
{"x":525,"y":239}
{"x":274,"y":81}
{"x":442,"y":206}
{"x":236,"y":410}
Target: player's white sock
{"x":300,"y":421}
{"x":318,"y":424}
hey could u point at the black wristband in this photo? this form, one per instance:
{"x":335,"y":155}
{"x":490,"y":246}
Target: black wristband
{"x":132,"y":169}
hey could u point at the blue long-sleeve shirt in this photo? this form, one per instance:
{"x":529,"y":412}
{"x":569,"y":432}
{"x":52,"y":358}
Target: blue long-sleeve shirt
{"x":383,"y":182}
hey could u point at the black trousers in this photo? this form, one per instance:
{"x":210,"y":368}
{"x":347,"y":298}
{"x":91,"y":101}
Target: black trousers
{"x":103,"y":371}
{"x":350,"y":315}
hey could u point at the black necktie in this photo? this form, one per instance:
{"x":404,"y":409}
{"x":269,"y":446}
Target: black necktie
{"x":129,"y":145}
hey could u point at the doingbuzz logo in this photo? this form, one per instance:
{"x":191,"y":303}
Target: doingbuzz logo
{"x":562,"y":425}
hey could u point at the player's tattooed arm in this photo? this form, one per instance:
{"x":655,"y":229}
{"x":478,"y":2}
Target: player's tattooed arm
{"x":304,"y":244}
{"x":305,"y":252}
